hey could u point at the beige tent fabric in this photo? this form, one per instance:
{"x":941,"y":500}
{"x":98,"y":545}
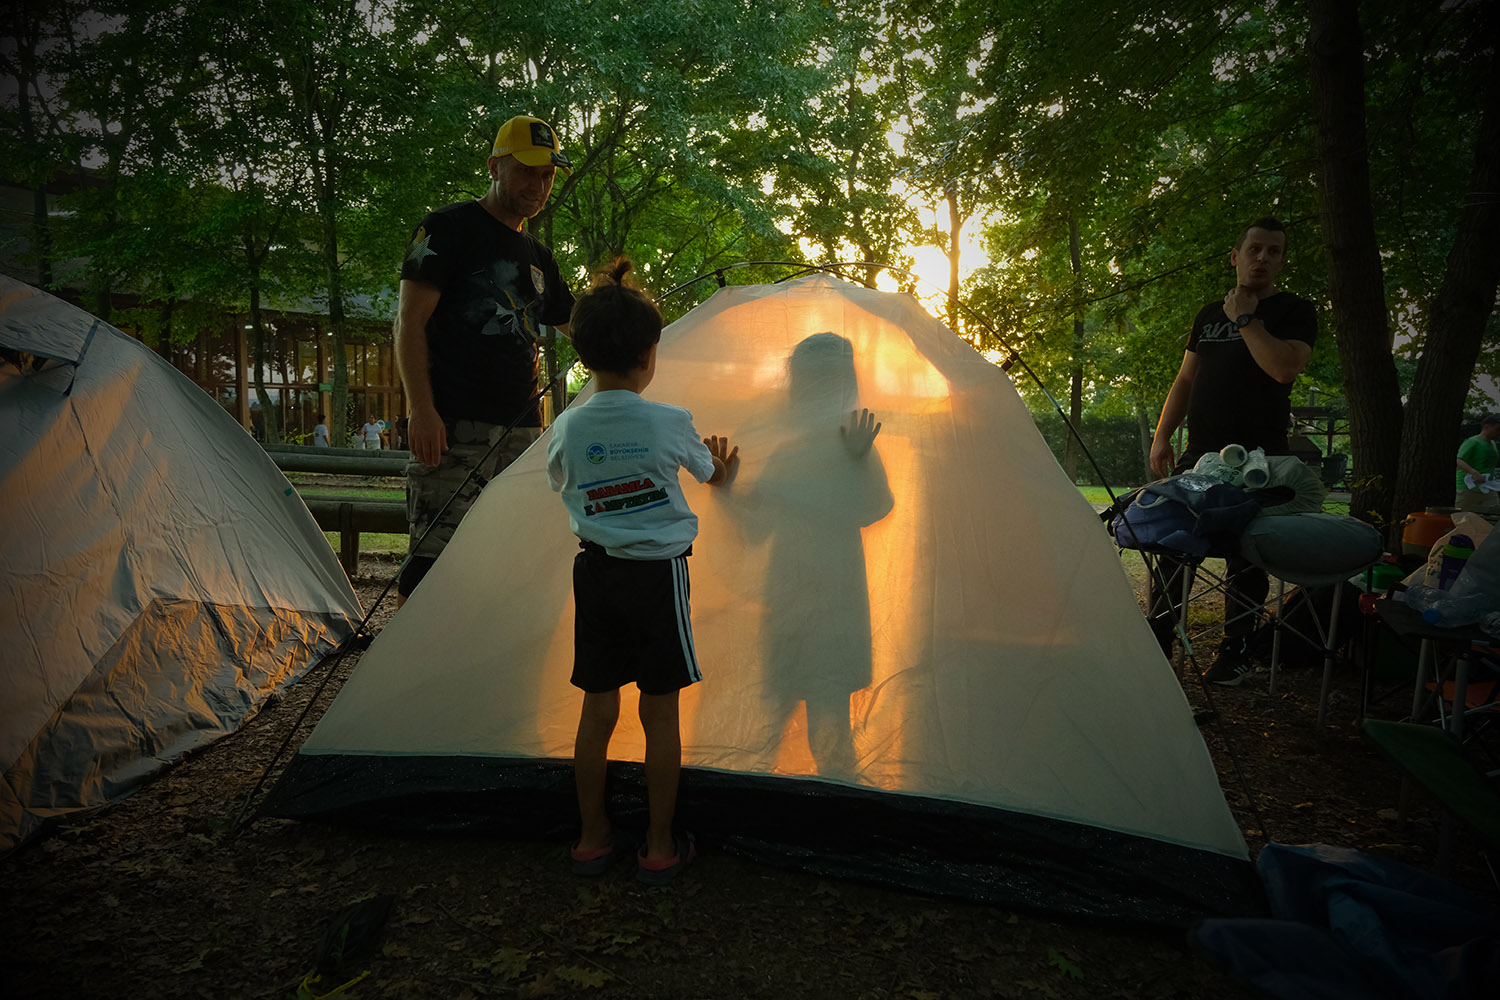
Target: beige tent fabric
{"x":947,"y":618}
{"x":158,"y":575}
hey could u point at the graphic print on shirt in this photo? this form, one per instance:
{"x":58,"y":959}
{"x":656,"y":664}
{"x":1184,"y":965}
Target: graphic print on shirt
{"x":623,"y":495}
{"x":419,"y":250}
{"x":1214,"y":333}
{"x":497,"y":307}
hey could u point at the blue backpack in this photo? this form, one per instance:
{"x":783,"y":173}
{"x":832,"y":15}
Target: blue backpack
{"x":1188,"y":516}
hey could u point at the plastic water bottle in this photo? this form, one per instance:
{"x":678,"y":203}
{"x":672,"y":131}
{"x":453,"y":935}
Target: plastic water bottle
{"x":1448,"y":609}
{"x":1455,"y":557}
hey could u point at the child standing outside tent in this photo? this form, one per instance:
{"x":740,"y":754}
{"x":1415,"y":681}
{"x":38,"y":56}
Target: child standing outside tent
{"x":615,"y":460}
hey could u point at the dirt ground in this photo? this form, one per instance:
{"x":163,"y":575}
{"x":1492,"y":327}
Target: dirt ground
{"x":160,"y":897}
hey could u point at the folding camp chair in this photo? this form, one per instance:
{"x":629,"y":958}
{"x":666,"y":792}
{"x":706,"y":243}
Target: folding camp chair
{"x":1307,"y":550}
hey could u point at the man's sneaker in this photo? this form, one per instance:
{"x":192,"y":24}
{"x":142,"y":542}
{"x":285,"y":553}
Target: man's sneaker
{"x":1229,"y":669}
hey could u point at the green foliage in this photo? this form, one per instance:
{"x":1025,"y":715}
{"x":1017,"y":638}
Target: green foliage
{"x":1114,"y":441}
{"x":276,"y":154}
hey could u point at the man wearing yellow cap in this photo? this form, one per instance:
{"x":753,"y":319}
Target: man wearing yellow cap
{"x":476,"y":288}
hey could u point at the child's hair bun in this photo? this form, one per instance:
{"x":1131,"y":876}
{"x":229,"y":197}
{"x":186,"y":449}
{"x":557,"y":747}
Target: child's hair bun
{"x":621,"y":267}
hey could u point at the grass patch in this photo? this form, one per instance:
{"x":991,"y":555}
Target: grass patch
{"x":372,"y":543}
{"x":1098,"y":494}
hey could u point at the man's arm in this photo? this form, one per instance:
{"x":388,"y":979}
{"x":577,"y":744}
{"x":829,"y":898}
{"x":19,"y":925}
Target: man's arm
{"x":1283,"y":360}
{"x":424,"y":430}
{"x":1173,"y":412}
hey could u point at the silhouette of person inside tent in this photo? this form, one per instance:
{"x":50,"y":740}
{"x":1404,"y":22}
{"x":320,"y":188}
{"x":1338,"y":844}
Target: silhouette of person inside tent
{"x":817,"y":490}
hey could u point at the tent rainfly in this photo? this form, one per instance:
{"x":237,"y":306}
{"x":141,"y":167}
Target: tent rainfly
{"x":159,"y":578}
{"x":927,"y":669}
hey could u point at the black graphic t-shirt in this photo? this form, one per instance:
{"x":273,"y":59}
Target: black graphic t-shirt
{"x":497,"y":286}
{"x":1234,"y":401}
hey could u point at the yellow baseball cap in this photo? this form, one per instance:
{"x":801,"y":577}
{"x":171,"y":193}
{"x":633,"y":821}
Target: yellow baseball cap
{"x":531,"y":141}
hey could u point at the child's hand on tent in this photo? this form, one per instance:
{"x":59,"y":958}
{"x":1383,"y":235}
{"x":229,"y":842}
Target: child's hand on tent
{"x":859,"y":432}
{"x":726,"y":460}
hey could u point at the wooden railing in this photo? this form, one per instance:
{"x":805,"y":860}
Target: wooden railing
{"x":348,"y":515}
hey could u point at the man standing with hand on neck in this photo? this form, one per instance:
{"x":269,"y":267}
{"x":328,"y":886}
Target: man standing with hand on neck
{"x":476,"y":288}
{"x":1234,"y":387}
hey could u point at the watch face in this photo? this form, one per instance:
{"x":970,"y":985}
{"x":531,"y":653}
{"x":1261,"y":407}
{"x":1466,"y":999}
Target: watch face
{"x":1242,"y":321}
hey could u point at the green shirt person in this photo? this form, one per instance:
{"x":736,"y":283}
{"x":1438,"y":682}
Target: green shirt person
{"x":1477,"y":459}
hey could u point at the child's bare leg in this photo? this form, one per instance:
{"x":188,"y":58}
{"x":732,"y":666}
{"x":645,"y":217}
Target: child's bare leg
{"x":663,"y":765}
{"x":596,"y":724}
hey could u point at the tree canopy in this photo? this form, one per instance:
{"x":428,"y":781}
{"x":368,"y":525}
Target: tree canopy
{"x":230,"y":156}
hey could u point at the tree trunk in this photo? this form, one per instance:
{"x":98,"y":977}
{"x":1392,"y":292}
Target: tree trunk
{"x":955,"y":225}
{"x":42,"y":234}
{"x":1144,"y":426}
{"x":1456,"y":321}
{"x":338,"y":427}
{"x":25,"y":37}
{"x":1355,"y":278}
{"x":268,"y":414}
{"x":164,"y":330}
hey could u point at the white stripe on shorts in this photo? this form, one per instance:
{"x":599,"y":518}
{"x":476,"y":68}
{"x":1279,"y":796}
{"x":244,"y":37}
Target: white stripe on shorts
{"x":684,"y":617}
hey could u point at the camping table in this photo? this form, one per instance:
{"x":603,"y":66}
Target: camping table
{"x":1445,"y":648}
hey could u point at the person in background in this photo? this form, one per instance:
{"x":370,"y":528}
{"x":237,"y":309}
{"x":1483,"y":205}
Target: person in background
{"x":370,"y":433}
{"x":1477,"y":459}
{"x":320,"y":432}
{"x":257,"y":421}
{"x":630,"y":581}
{"x":1234,"y":387}
{"x":476,"y":288}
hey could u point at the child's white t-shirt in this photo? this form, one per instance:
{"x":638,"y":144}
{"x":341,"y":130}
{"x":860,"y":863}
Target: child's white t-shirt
{"x":614,"y":458}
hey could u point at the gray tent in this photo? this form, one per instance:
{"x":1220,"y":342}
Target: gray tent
{"x":159,"y":578}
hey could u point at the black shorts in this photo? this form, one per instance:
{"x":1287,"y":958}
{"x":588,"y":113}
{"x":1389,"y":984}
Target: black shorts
{"x":632,"y":623}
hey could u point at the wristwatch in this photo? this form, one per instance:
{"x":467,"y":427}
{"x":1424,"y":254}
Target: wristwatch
{"x":1243,"y":320}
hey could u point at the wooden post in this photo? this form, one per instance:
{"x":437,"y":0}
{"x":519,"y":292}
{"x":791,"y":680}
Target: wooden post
{"x":348,"y":540}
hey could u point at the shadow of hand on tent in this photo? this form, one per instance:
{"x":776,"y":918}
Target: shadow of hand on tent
{"x":819,"y":487}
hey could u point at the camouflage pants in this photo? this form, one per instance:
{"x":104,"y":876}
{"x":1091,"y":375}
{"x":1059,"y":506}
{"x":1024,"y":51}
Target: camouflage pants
{"x":428,"y":489}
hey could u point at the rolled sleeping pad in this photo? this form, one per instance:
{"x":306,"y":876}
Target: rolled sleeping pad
{"x":1254,"y":471}
{"x":1234,"y":455}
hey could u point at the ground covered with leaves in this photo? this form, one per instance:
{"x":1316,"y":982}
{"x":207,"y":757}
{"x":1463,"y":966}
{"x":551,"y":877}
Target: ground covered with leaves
{"x":161,"y":896}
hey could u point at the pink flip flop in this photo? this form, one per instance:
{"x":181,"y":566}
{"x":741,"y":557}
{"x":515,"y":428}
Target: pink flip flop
{"x":662,"y":871}
{"x":598,"y":860}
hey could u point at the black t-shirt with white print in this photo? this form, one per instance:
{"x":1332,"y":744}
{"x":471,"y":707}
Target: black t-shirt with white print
{"x":1234,"y":401}
{"x":497,"y":287}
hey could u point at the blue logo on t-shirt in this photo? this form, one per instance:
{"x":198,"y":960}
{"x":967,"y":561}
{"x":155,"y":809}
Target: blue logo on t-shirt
{"x":595,"y":453}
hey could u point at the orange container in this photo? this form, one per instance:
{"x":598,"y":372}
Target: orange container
{"x":1422,"y":529}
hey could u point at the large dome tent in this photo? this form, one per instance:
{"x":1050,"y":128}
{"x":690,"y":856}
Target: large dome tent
{"x":929,"y":670}
{"x":159,"y":577}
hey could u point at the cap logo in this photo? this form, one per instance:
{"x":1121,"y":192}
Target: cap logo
{"x":541,"y":136}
